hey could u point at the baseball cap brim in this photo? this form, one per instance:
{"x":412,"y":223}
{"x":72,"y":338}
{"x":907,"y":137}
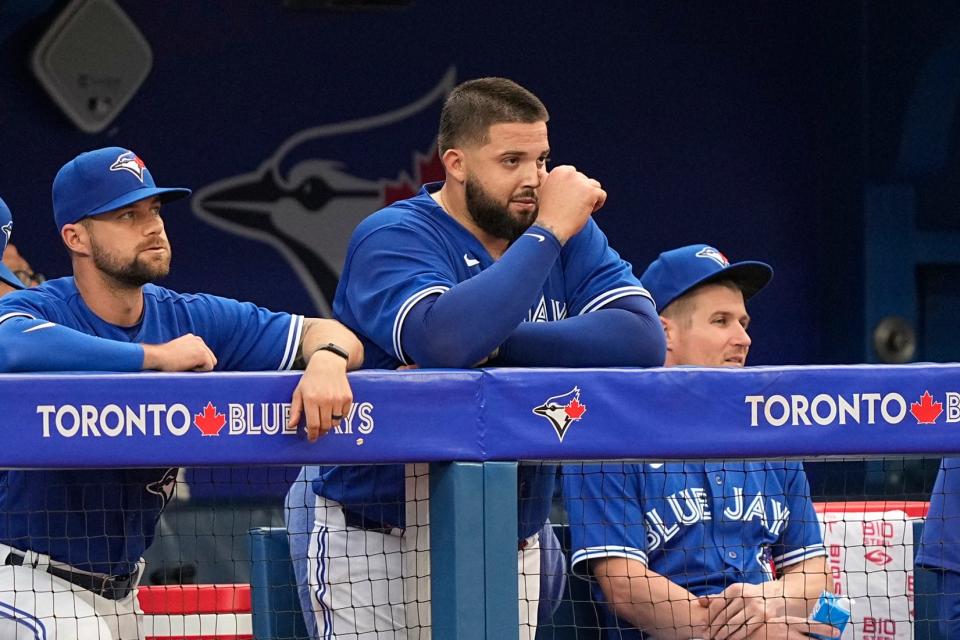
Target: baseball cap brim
{"x":7,"y":276}
{"x":749,"y":275}
{"x":166,"y":194}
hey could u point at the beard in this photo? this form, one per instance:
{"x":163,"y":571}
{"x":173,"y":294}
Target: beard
{"x":134,"y":273}
{"x":495,"y":218}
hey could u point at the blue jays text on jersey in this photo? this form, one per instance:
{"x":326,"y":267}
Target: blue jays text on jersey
{"x":702,"y":525}
{"x":412,"y":250}
{"x":103,"y":520}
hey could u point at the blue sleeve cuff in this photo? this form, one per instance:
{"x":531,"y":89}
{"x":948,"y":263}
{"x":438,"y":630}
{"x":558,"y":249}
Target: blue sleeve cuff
{"x":29,"y":344}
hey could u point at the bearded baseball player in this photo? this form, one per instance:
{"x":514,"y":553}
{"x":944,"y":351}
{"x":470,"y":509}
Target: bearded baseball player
{"x":501,"y":264}
{"x":718,"y":549}
{"x":71,"y":541}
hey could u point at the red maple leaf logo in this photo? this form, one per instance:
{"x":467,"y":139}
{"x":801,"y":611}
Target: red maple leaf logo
{"x":429,"y":168}
{"x":879,"y":557}
{"x":209,"y":422}
{"x":926,"y":411}
{"x":575,"y":410}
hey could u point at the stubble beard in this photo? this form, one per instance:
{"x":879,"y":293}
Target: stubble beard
{"x":132,"y":274}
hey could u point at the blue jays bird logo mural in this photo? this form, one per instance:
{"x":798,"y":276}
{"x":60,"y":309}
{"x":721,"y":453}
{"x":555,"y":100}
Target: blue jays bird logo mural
{"x":306,"y":199}
{"x":562,"y":411}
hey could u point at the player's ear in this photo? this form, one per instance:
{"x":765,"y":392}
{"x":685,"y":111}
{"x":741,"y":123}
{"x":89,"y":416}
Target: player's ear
{"x":669,"y":330}
{"x":76,"y":238}
{"x":453,"y":163}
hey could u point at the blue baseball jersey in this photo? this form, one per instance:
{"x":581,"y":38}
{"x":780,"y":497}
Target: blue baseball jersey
{"x":103,"y":520}
{"x":411,"y":250}
{"x":703,"y":525}
{"x":940,"y":542}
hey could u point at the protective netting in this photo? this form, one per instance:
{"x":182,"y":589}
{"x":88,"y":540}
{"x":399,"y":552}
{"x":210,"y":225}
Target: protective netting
{"x":667,"y":546}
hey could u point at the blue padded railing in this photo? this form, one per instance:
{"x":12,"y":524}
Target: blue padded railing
{"x":477,"y":417}
{"x":61,"y":421}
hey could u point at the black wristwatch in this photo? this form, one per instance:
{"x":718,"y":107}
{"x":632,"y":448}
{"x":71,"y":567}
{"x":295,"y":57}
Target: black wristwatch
{"x":332,"y":348}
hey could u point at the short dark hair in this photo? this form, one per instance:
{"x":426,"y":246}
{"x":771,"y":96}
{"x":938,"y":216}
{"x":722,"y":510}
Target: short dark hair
{"x":472,"y":107}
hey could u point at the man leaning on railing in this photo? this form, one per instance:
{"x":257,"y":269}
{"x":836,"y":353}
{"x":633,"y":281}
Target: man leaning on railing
{"x":71,"y":540}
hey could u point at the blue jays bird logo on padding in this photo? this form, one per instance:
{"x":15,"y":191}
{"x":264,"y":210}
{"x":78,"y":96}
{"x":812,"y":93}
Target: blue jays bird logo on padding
{"x":713,"y":254}
{"x":562,"y":411}
{"x":306,"y":199}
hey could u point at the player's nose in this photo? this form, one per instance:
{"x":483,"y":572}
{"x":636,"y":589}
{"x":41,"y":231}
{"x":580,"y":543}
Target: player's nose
{"x":533,"y":175}
{"x":153,"y":225}
{"x":741,"y":337}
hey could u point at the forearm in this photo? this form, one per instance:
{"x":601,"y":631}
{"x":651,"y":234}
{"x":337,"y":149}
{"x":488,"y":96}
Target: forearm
{"x":28,"y":344}
{"x":609,"y":337}
{"x":802,"y":585}
{"x":467,"y":322}
{"x":318,"y":332}
{"x":650,"y":601}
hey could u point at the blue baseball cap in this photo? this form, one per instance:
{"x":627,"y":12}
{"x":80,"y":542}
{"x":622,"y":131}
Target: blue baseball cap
{"x":6,"y":230}
{"x":103,"y":180}
{"x":676,"y":272}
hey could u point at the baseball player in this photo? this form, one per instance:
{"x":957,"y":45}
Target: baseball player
{"x":718,"y":549}
{"x":8,"y":280}
{"x":500,"y":264}
{"x":71,"y":541}
{"x":940,"y":545}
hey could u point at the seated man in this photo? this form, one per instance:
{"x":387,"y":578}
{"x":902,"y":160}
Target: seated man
{"x":716,"y":549}
{"x":20,"y":267}
{"x":8,"y":279}
{"x":71,"y":540}
{"x":940,"y":545}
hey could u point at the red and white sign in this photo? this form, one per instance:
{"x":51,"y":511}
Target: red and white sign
{"x":870,"y":556}
{"x":196,"y":612}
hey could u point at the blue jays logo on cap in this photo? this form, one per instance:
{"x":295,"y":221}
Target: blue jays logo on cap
{"x":7,"y":231}
{"x":129,"y":161}
{"x":713,"y":254}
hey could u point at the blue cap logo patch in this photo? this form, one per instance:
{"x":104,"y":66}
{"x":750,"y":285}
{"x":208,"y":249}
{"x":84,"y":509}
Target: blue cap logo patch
{"x":713,"y":254}
{"x":129,"y":161}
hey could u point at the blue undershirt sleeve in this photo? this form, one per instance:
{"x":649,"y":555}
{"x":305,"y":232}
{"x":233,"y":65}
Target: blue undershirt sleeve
{"x":464,"y":324}
{"x":624,"y":333}
{"x":31,"y":344}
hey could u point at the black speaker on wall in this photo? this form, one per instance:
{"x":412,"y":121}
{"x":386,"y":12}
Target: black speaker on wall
{"x":92,"y":60}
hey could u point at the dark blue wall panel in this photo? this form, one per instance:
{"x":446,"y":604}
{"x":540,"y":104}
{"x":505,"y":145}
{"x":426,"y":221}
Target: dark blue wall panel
{"x":704,"y":123}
